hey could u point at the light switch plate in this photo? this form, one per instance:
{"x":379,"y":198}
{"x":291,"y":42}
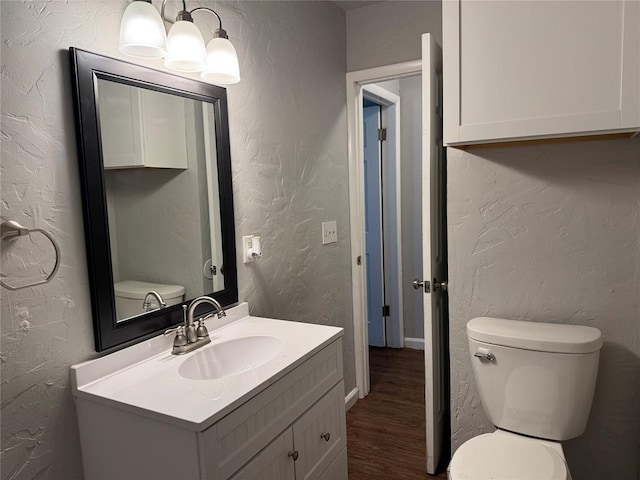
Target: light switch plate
{"x":329,"y":232}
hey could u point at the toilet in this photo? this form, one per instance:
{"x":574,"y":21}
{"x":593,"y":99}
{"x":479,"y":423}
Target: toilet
{"x":130,"y":296}
{"x":536,"y":384}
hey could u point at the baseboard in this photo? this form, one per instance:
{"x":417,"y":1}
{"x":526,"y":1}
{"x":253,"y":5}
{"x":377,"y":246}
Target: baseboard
{"x":415,"y":343}
{"x":351,"y":399}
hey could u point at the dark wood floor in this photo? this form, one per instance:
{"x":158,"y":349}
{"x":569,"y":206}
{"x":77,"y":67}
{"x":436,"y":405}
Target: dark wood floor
{"x":386,"y":430}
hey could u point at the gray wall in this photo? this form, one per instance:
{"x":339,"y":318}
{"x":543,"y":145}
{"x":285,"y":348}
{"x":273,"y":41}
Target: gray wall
{"x":411,"y":144}
{"x":392,"y":86}
{"x":289,"y":149}
{"x":551,"y":233}
{"x":389,"y":32}
{"x":288,"y":146}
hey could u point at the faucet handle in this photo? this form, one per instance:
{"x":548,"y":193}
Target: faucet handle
{"x":219,"y":314}
{"x":173,"y":330}
{"x":212,"y":314}
{"x":202,"y":331}
{"x":180,"y":339}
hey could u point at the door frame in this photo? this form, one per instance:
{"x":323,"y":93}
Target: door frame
{"x":356,"y":82}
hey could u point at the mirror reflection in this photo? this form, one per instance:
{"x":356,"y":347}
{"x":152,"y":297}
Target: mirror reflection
{"x":161,"y":180}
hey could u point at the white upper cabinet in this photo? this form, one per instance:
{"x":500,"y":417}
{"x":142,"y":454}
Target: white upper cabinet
{"x":142,"y":128}
{"x":516,"y":70}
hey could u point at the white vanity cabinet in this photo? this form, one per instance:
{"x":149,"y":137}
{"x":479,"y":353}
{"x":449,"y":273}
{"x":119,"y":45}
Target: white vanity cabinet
{"x":142,"y":128}
{"x":534,"y":70}
{"x":284,"y":428}
{"x":284,"y":420}
{"x":315,"y":442}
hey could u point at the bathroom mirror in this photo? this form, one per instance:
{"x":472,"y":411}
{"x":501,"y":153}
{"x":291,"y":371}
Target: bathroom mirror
{"x":157,"y":195}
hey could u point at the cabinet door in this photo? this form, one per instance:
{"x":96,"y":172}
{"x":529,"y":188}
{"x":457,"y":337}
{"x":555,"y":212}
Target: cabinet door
{"x":275,"y":462}
{"x":320,"y":434}
{"x":164,"y":120}
{"x":339,"y":469}
{"x":531,"y":69}
{"x":120,"y":125}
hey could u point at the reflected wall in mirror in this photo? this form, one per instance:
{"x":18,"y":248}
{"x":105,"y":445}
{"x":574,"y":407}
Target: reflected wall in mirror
{"x":159,"y":157}
{"x":158,"y":205}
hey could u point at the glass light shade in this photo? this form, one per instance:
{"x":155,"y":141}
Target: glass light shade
{"x":186,"y":48}
{"x":222,"y":62}
{"x":142,"y":32}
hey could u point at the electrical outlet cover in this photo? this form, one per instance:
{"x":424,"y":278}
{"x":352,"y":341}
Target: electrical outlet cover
{"x":247,"y":245}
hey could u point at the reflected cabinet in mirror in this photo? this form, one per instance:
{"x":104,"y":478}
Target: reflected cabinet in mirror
{"x":158,"y":206}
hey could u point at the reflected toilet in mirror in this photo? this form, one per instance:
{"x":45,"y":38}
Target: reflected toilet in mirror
{"x":135,"y":298}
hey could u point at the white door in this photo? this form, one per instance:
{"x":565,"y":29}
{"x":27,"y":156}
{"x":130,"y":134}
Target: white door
{"x":373,"y":226}
{"x":213,"y":269}
{"x":434,"y":249}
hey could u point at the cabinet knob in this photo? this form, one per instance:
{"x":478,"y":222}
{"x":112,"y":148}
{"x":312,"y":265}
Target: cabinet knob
{"x":294,"y":455}
{"x":326,"y":436}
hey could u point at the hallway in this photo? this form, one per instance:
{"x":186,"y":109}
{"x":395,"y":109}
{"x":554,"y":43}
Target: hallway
{"x":386,"y":430}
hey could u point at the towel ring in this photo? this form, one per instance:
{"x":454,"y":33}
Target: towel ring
{"x":10,"y":229}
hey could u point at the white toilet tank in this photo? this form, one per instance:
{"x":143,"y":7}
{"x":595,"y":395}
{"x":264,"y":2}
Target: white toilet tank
{"x":535,"y":378}
{"x":130,"y":296}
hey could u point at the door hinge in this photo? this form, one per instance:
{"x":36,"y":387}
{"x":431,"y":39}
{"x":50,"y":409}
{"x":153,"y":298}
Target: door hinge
{"x":386,"y":311}
{"x":382,"y":134}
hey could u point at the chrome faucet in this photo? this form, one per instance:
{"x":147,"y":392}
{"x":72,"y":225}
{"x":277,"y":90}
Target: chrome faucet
{"x":190,"y":337}
{"x":146,"y":304}
{"x":204,"y":299}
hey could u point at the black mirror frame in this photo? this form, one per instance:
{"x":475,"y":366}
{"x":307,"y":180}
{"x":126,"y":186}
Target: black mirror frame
{"x":86,"y":69}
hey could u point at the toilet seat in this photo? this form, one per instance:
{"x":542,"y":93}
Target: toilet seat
{"x":505,"y":456}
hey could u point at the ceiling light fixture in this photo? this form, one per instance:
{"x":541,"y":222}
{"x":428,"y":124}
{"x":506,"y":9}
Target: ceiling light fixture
{"x":142,"y":34}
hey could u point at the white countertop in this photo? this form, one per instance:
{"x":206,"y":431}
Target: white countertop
{"x":144,"y":378}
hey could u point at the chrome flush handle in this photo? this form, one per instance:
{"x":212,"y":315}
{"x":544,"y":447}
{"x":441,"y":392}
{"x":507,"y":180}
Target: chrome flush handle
{"x":488,"y":356}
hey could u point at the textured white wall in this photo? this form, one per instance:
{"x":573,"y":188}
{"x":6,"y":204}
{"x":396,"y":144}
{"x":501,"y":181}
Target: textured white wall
{"x":551,"y":233}
{"x":389,"y":32}
{"x":288,"y":147}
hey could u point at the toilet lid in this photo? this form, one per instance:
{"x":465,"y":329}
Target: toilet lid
{"x":506,"y":457}
{"x":138,"y":290}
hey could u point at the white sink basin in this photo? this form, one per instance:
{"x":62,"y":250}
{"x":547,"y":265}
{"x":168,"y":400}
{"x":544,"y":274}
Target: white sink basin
{"x":231,"y":357}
